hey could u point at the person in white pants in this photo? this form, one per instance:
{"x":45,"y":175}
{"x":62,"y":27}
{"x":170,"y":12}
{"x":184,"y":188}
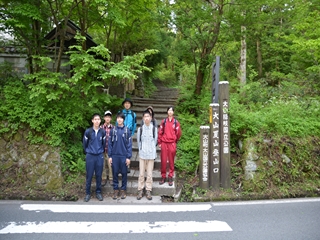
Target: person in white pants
{"x":147,"y":137}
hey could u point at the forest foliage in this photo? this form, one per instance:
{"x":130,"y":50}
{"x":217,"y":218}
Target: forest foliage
{"x":176,"y":41}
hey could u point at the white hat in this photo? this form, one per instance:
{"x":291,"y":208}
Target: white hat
{"x":107,"y":113}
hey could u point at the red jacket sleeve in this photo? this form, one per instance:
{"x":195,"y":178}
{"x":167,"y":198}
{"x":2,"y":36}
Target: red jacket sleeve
{"x":178,"y":131}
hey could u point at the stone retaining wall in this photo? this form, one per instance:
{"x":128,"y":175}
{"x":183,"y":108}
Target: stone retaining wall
{"x":35,"y":167}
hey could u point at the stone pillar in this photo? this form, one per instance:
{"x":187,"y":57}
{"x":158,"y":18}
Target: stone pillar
{"x":214,"y":165}
{"x":204,"y":156}
{"x":225,"y":166}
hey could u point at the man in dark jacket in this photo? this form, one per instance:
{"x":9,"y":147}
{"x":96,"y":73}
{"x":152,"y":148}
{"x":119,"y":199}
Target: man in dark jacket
{"x":94,"y":143}
{"x":119,"y":152}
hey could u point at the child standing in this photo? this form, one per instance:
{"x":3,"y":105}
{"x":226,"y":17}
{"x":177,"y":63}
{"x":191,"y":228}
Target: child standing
{"x":130,"y":119}
{"x":94,"y":143}
{"x":107,"y":126}
{"x":130,"y":116}
{"x":147,"y":136}
{"x":119,"y":152}
{"x":169,"y":135}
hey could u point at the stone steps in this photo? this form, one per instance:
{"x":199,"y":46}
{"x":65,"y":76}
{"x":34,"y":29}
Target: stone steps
{"x":157,"y":189}
{"x":159,"y":106}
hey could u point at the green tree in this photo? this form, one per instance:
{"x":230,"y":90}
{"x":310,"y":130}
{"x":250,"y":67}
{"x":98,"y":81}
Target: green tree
{"x":27,"y":22}
{"x":305,"y":48}
{"x":199,"y":23}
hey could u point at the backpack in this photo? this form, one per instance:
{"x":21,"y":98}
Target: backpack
{"x":153,"y":130}
{"x":174,"y":124}
{"x":114,"y":134}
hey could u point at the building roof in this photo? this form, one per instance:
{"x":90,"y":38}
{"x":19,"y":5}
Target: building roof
{"x":71,"y":32}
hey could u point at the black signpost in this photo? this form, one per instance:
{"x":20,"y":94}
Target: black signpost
{"x":215,"y":80}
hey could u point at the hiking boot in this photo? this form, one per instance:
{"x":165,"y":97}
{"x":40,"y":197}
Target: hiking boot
{"x":104,"y":182}
{"x":148,"y":195}
{"x":115,"y":194}
{"x":87,"y":198}
{"x":123,"y":194}
{"x":99,"y":196}
{"x":139,"y":196}
{"x":170,"y":181}
{"x":162,"y":181}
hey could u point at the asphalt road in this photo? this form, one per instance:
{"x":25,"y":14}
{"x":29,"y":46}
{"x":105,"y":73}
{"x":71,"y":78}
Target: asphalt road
{"x":272,"y":219}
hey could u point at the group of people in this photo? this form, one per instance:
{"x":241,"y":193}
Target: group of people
{"x":109,"y":147}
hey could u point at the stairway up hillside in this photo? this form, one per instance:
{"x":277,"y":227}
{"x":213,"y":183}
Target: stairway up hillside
{"x":160,"y":100}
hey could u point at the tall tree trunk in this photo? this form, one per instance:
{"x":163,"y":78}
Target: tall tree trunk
{"x":83,"y":21}
{"x":201,"y":70}
{"x":30,"y":62}
{"x":60,"y":28}
{"x":36,"y":29}
{"x":113,"y":48}
{"x":243,"y":57}
{"x":36,"y":39}
{"x":199,"y":82}
{"x":259,"y":58}
{"x":62,"y":34}
{"x":208,"y":45}
{"x":108,"y":33}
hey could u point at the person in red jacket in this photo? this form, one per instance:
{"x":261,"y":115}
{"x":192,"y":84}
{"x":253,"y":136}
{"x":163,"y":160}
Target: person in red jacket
{"x":168,"y":136}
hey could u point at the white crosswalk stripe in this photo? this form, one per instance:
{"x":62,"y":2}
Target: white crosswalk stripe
{"x":206,"y":225}
{"x":60,"y":208}
{"x":116,"y":227}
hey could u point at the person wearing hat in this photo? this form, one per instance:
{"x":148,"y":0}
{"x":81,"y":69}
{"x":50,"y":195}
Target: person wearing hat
{"x":107,"y":126}
{"x":94,"y":143}
{"x":119,"y":152}
{"x":130,"y":116}
{"x":168,"y":136}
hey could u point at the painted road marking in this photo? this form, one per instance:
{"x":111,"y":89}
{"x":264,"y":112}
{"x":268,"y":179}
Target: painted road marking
{"x":115,"y":227}
{"x":264,"y":202}
{"x":62,"y":208}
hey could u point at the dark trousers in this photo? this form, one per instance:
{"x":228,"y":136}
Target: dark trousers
{"x":119,"y":165}
{"x":94,"y":165}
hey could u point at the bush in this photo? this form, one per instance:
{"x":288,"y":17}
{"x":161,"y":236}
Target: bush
{"x":189,"y":144}
{"x":292,"y":117}
{"x":193,"y":112}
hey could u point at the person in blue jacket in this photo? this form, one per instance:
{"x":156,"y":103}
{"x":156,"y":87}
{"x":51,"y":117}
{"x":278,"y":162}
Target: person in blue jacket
{"x":94,"y":143}
{"x":130,"y":116}
{"x":119,"y":152}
